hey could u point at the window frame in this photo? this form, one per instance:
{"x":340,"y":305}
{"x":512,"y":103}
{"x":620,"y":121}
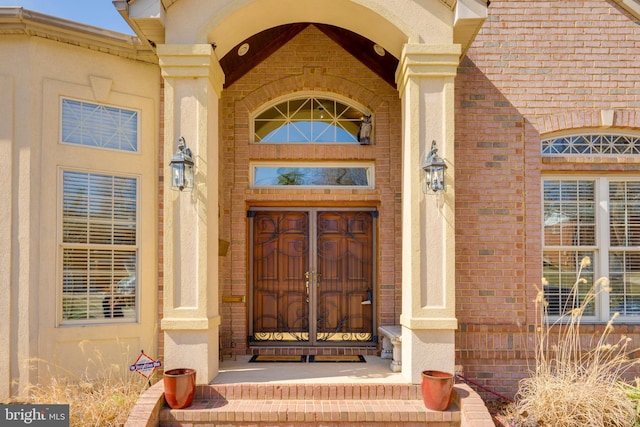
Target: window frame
{"x":307,"y":95}
{"x":602,"y":249}
{"x":370,"y":166}
{"x":62,"y":245}
{"x":101,"y":105}
{"x":545,"y":147}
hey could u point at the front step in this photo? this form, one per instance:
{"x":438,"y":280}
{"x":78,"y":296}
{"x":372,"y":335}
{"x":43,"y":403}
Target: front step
{"x":309,"y":405}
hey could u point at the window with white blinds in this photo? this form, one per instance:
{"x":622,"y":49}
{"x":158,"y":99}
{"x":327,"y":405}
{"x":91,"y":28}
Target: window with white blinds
{"x":569,"y":236}
{"x":598,"y":218}
{"x":95,"y":125}
{"x":99,"y":247}
{"x":624,"y":246}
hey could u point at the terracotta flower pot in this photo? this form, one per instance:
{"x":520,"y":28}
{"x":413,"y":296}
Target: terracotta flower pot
{"x":437,"y":389}
{"x":179,"y":387}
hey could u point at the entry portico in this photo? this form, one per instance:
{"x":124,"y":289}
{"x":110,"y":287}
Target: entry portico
{"x":191,"y":38}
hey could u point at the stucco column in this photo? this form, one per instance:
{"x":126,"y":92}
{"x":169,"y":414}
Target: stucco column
{"x":7,"y":282}
{"x":193,"y":84}
{"x":425,"y":80}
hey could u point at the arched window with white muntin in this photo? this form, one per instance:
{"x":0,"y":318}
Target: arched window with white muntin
{"x":312,"y":119}
{"x":610,"y":143}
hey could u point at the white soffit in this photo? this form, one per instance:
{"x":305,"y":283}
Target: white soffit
{"x":469,"y":17}
{"x":145,"y":17}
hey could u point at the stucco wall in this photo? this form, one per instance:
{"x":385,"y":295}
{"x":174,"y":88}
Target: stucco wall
{"x":39,"y":73}
{"x":533,"y":69}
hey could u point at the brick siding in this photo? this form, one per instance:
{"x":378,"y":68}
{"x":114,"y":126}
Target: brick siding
{"x":534,"y":68}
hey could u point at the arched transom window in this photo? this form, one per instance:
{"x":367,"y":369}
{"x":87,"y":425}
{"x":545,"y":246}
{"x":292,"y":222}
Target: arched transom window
{"x":598,"y":144}
{"x":310,"y":119}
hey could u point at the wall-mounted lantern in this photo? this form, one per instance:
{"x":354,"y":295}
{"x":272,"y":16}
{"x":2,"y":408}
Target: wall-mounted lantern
{"x":182,"y":168}
{"x":434,"y":168}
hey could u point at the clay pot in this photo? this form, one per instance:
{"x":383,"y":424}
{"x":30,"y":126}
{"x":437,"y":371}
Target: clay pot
{"x":179,"y":387}
{"x":437,"y":390}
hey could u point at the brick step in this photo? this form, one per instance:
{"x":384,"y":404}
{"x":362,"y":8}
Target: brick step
{"x":332,"y":391}
{"x":309,"y":405}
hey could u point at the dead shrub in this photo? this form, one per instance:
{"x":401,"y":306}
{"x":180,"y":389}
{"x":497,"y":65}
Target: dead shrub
{"x":573,"y":386}
{"x":103,"y":399}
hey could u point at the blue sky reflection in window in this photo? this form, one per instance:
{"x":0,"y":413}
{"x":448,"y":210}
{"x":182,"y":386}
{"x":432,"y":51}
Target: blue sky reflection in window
{"x":308,"y":120}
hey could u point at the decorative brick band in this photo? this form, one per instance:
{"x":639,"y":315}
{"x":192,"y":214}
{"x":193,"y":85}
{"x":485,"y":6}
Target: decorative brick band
{"x":577,"y":119}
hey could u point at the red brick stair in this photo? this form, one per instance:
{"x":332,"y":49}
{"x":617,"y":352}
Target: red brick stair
{"x":335,"y":405}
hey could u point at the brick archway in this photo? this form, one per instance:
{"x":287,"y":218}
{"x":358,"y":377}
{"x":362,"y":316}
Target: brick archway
{"x":577,"y":119}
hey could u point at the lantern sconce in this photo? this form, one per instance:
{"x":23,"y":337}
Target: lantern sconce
{"x":182,"y":168}
{"x":433,"y":168}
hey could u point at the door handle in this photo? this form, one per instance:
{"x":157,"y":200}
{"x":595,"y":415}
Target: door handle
{"x":311,"y":276}
{"x":306,"y":284}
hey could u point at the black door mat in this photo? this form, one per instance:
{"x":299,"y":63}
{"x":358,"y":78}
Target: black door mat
{"x":343,"y":359}
{"x":258,"y":358}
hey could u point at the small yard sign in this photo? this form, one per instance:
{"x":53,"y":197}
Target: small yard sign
{"x":145,"y":365}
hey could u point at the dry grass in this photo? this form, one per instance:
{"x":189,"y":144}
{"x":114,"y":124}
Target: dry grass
{"x":574,"y":386}
{"x":104,"y":399}
{"x":633,"y":393}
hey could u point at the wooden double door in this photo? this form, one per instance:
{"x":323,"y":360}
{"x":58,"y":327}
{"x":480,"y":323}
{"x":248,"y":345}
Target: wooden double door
{"x":312,"y":277}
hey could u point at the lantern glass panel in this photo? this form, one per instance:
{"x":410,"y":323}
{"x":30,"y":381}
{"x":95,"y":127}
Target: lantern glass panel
{"x":188,"y":177}
{"x":437,"y":178}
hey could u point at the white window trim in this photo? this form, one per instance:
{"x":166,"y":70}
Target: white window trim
{"x":303,"y":95}
{"x":370,"y":166}
{"x":600,"y":263}
{"x":585,"y":133}
{"x":89,"y":147}
{"x":60,"y":245}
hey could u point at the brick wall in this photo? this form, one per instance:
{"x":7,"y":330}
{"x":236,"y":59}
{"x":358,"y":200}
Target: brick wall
{"x":310,"y":62}
{"x":534,"y":68}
